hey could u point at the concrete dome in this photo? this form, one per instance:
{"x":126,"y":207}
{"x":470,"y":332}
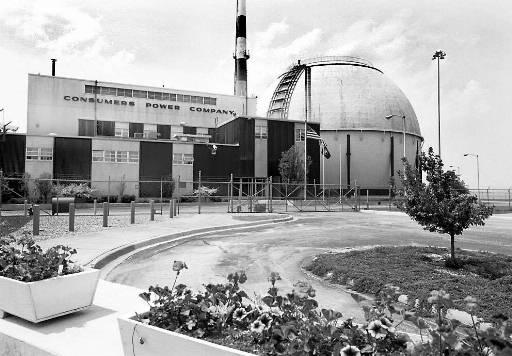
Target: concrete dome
{"x":347,"y":93}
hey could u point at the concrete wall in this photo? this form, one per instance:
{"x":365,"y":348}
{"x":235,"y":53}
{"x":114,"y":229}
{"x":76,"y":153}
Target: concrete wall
{"x":183,"y":172}
{"x":51,"y":107}
{"x":37,"y":168}
{"x":370,"y":163}
{"x":118,"y":172}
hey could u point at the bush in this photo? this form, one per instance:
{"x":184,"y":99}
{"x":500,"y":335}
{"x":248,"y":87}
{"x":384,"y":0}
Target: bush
{"x":105,"y":198}
{"x":25,"y":261}
{"x":44,"y":187}
{"x":78,"y":191}
{"x":127,"y":198}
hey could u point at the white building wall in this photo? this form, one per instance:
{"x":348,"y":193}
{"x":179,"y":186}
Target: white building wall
{"x":55,"y":104}
{"x":118,"y":174}
{"x":36,"y":168}
{"x":183,"y":174}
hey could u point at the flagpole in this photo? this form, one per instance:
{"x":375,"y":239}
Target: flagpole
{"x":306,"y":102}
{"x":323,"y":170}
{"x":340,"y":173}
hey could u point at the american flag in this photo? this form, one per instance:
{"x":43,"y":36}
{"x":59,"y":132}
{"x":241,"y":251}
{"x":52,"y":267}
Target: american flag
{"x":312,"y":134}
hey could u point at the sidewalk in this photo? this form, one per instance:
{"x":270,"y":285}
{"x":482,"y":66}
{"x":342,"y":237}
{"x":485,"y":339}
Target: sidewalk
{"x":91,"y":245}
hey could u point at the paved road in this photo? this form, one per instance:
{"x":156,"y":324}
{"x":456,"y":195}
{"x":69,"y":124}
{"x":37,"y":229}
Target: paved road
{"x":286,"y":247}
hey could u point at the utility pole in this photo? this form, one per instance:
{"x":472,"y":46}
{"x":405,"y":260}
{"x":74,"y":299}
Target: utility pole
{"x":439,"y":54}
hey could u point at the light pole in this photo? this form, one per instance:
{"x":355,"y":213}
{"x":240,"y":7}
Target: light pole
{"x":439,"y":54}
{"x":389,"y":117}
{"x":477,"y":171}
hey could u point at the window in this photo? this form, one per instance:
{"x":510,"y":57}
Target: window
{"x":188,"y":158}
{"x":166,"y":96}
{"x":122,"y":156}
{"x":98,"y":155}
{"x":140,"y":94}
{"x":182,"y":158}
{"x":124,"y":92}
{"x":196,"y":99}
{"x":122,"y":129}
{"x":299,"y":135}
{"x":172,"y":97}
{"x":154,"y":95}
{"x":110,"y":156}
{"x":179,"y":97}
{"x":210,"y":101}
{"x":108,"y":91}
{"x":133,"y":157}
{"x":89,"y":89}
{"x":186,"y":98}
{"x":46,"y":154}
{"x":150,"y":131}
{"x":260,"y":131}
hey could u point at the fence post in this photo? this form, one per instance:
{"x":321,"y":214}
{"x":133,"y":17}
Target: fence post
{"x":286,"y":195}
{"x":132,"y":212}
{"x":239,"y":208}
{"x":152,"y":210}
{"x":105,"y":214}
{"x":199,"y":195}
{"x":72,"y":217}
{"x":367,"y":200}
{"x":389,"y":198}
{"x":231,"y":193}
{"x":95,"y":205}
{"x":270,"y":192}
{"x":25,"y":208}
{"x":177,"y":204}
{"x":314,"y":190}
{"x":35,"y":221}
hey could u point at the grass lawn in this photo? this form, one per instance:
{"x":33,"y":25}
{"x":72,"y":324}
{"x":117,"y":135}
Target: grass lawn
{"x":418,"y":270}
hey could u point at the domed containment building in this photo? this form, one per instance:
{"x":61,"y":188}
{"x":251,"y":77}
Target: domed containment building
{"x":352,"y":101}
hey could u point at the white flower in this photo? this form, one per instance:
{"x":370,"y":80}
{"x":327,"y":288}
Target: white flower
{"x":350,"y":351}
{"x":377,"y":329}
{"x":403,"y":298}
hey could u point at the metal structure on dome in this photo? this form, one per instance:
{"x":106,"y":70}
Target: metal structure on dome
{"x":280,"y":102}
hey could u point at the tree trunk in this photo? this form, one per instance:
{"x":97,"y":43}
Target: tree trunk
{"x":452,"y":245}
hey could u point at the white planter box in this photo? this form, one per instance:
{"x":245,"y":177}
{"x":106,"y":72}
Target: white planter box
{"x":160,"y":342}
{"x":48,"y":298}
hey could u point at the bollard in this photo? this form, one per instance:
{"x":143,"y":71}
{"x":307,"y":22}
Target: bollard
{"x":175,"y":207}
{"x":199,"y":195}
{"x":95,"y":206}
{"x":72,"y":217}
{"x":152,"y":210}
{"x":25,"y":208}
{"x":171,"y":208}
{"x":105,"y":214}
{"x":132,"y":212}
{"x":178,"y":206}
{"x":270,"y":193}
{"x":35,"y":221}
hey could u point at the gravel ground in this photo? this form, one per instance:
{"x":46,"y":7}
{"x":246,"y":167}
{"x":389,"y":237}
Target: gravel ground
{"x":57,"y":226}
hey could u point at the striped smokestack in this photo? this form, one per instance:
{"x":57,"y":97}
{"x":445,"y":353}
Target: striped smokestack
{"x":241,"y":54}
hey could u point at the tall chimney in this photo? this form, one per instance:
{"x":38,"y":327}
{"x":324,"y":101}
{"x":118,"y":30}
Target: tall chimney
{"x":241,"y":54}
{"x":53,"y":66}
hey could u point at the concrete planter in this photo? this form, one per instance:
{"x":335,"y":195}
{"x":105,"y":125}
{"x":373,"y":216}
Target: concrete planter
{"x":145,"y":340}
{"x":48,"y":298}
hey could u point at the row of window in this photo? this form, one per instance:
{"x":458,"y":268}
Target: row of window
{"x":132,"y":93}
{"x":182,"y":158}
{"x":260,"y":132}
{"x":39,"y":154}
{"x":115,"y":156}
{"x":299,"y":135}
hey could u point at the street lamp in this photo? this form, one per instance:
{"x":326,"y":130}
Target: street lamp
{"x":439,"y":54}
{"x":477,"y":171}
{"x":389,"y":117}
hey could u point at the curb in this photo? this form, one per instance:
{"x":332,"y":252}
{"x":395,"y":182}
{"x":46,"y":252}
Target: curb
{"x":111,"y":255}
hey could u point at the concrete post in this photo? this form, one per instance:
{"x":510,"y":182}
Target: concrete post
{"x":35,"y":221}
{"x":72,"y":217}
{"x":231,"y":193}
{"x":152,"y":210}
{"x":132,"y":212}
{"x":25,"y":208}
{"x":199,"y":195}
{"x":105,"y":214}
{"x":95,"y":206}
{"x":171,"y":208}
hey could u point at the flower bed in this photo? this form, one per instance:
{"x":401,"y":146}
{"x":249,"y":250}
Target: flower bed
{"x":37,"y":285}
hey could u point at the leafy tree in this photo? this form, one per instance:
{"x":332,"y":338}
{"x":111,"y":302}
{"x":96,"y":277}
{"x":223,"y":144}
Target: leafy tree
{"x":291,"y":165}
{"x":443,"y":204}
{"x":44,"y":186}
{"x":168,"y":186}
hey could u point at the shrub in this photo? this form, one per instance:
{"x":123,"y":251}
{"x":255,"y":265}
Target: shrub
{"x":79,"y":191}
{"x":127,"y":198}
{"x":25,"y":261}
{"x":44,"y":186}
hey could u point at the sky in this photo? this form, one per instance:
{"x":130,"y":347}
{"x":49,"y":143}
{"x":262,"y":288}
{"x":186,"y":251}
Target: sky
{"x":189,"y":45}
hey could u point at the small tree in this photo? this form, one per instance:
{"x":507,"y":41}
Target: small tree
{"x":291,"y":165}
{"x":44,"y":186}
{"x":443,"y":204}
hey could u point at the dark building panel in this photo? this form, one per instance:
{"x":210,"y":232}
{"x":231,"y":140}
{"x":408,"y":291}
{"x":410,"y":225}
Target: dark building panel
{"x":105,"y":128}
{"x":229,"y":133}
{"x":164,"y":132}
{"x":211,"y":132}
{"x":313,"y":149}
{"x":72,"y":158}
{"x":281,"y":137}
{"x":12,"y":155}
{"x":246,"y":133}
{"x":190,"y":130}
{"x":85,"y":127}
{"x":218,"y":166}
{"x":136,"y":128}
{"x":155,"y":164}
